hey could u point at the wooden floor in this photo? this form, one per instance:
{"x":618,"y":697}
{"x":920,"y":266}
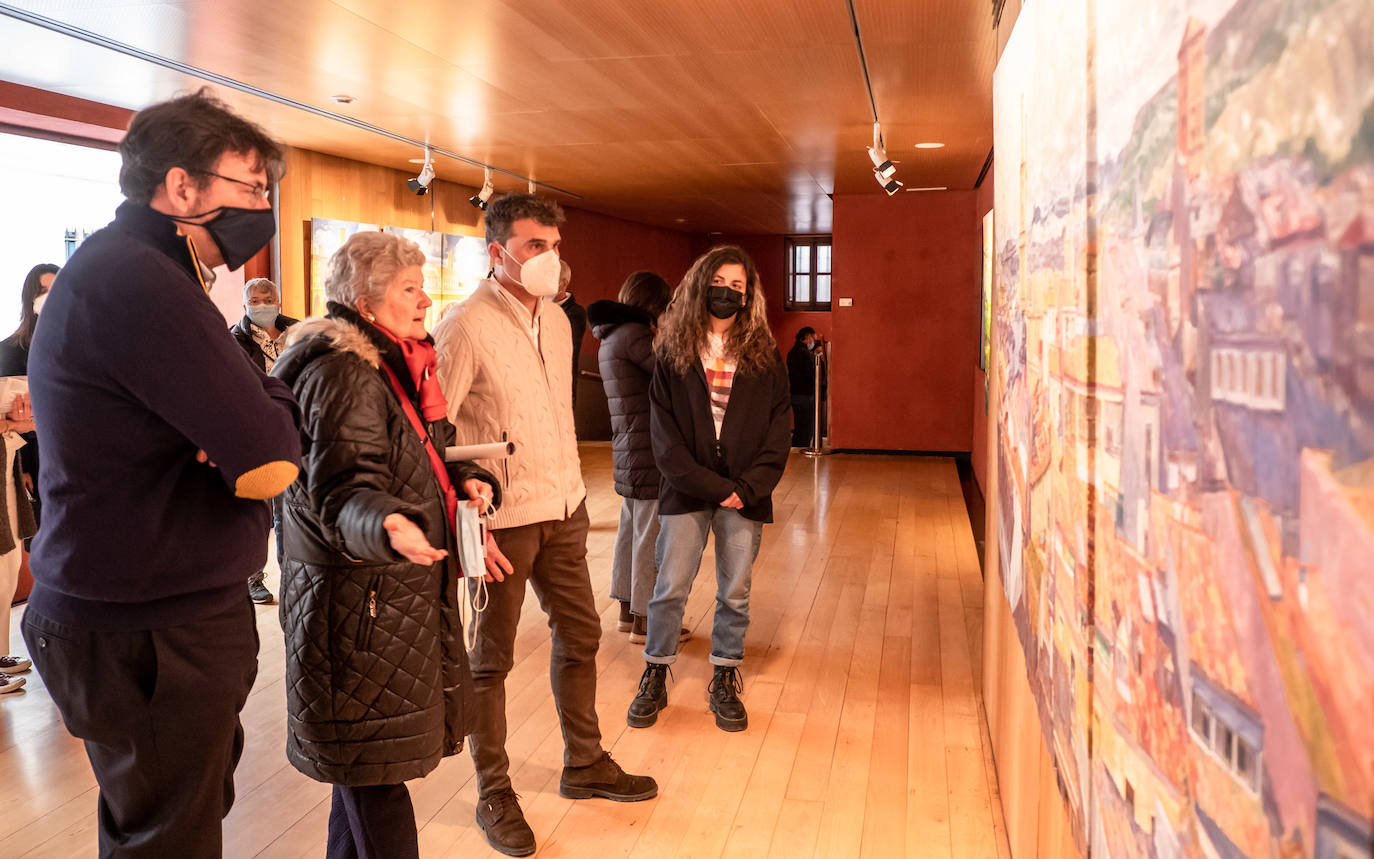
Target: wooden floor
{"x":867,"y":735}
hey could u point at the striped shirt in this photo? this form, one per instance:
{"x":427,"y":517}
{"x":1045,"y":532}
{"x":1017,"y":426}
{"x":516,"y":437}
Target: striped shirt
{"x":720,"y":377}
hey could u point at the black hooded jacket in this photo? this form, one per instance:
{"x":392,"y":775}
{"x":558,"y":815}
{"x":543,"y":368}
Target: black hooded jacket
{"x":626,"y":359}
{"x":699,"y":470}
{"x":377,"y":680}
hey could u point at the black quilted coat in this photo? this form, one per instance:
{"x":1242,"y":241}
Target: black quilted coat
{"x":626,"y":357}
{"x":377,"y":681}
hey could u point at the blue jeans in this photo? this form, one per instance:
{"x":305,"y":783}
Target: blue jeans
{"x":681,"y":540}
{"x":633,"y":568}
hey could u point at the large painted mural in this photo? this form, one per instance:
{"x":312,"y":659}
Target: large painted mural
{"x":1184,"y":378}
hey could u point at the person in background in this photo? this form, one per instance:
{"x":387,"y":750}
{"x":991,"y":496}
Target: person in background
{"x":14,"y":361}
{"x":16,"y":523}
{"x":577,"y":320}
{"x":377,"y":683}
{"x":160,"y":445}
{"x":801,"y":378}
{"x":626,"y":356}
{"x":501,"y":365}
{"x":261,"y":334}
{"x":718,"y":421}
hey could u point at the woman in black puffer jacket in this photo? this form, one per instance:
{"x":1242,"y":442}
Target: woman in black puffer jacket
{"x":377,"y":680}
{"x":626,"y":357}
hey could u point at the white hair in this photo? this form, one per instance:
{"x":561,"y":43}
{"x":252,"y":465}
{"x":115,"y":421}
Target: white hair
{"x":366,"y":266}
{"x":260,"y":284}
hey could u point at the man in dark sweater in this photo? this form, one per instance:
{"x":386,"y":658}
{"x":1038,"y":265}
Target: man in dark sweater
{"x":161,"y":443}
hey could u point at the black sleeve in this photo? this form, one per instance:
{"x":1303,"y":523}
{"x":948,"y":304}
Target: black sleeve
{"x":672,"y":451}
{"x":348,"y":460}
{"x":465,"y":470}
{"x":758,"y":481}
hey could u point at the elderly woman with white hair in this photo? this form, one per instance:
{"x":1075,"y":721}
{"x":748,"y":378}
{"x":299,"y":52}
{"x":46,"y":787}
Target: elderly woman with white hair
{"x":377,"y":678}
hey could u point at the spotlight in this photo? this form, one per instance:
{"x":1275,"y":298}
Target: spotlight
{"x":883,"y":168}
{"x":481,"y":197}
{"x":881,"y":164}
{"x":420,"y":184}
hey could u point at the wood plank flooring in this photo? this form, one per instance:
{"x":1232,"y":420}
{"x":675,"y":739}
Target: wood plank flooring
{"x":867,"y":734}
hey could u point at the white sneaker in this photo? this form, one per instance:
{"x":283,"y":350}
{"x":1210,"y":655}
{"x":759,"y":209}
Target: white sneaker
{"x":10,"y":684}
{"x":14,"y":664}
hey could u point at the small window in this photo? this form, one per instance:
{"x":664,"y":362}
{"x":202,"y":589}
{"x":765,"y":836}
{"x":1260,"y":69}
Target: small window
{"x":1246,"y":765}
{"x":1202,"y":720}
{"x":808,"y":273}
{"x":1222,"y":740}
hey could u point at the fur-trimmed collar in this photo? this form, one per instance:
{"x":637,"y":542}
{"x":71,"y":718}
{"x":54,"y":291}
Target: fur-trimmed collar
{"x":341,"y":334}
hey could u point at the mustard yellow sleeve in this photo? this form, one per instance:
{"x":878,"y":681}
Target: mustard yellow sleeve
{"x":266,"y":481}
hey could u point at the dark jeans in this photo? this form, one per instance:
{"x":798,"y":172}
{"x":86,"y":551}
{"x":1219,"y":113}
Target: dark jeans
{"x":552,"y":557}
{"x":158,"y":711}
{"x":372,"y":822}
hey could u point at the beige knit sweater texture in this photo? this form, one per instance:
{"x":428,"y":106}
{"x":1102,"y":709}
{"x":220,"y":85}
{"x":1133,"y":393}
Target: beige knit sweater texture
{"x":499,"y":385}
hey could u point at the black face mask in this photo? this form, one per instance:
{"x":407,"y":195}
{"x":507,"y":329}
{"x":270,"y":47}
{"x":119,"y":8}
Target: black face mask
{"x":723,"y":302}
{"x":238,"y":233}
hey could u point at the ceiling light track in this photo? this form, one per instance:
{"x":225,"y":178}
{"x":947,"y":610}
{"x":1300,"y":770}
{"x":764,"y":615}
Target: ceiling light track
{"x":128,"y":50}
{"x":863,"y":59}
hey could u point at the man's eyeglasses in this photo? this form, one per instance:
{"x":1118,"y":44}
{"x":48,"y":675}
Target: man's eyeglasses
{"x":262,"y":192}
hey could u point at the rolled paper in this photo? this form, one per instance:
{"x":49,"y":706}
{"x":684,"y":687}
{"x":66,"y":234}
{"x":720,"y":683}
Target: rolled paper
{"x":465,"y":452}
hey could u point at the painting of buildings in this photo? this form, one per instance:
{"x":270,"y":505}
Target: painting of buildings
{"x":1184,"y":378}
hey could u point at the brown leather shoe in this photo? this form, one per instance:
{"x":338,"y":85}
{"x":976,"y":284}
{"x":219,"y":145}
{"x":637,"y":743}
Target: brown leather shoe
{"x":501,"y":819}
{"x":627,"y":618}
{"x":639,"y":631}
{"x":607,"y":780}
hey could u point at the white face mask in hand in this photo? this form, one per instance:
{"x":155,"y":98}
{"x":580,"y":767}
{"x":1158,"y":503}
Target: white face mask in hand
{"x":537,"y":275}
{"x":472,"y":557}
{"x":472,"y":550}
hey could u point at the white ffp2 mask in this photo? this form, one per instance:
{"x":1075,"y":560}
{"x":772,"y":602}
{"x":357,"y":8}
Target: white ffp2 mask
{"x":472,"y":557}
{"x":537,"y":275}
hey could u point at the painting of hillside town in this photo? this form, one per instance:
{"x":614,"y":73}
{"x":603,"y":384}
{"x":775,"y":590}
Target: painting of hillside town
{"x":1042,"y":372}
{"x":1185,"y":385}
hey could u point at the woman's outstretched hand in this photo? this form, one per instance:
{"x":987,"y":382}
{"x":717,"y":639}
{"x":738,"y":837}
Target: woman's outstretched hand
{"x":410,"y":542}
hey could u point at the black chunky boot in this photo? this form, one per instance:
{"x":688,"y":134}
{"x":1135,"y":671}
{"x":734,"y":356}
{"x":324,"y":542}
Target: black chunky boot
{"x":725,"y":703}
{"x":652,"y":697}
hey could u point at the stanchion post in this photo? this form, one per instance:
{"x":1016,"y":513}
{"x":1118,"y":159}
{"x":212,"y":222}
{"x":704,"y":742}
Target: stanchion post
{"x":814,"y":449}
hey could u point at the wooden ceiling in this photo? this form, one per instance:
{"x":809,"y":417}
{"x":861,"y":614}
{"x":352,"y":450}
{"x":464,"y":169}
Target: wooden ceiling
{"x":706,"y":115}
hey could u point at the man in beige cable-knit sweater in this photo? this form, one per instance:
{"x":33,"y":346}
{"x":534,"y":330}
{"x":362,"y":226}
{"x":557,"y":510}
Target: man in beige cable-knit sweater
{"x":505,"y":358}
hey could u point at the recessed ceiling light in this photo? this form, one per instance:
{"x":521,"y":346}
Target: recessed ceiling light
{"x":341,"y":98}
{"x":930,"y":146}
{"x":679,"y":220}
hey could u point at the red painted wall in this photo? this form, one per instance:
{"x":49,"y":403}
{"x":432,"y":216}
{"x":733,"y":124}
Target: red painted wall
{"x":979,"y":442}
{"x":603,"y":251}
{"x":900,"y":371}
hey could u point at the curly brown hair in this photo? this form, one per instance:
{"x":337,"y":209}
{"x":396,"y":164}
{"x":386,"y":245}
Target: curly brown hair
{"x":683,"y":327}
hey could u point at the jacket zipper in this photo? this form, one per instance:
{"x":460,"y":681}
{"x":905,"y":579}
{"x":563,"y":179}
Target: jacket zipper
{"x":369,"y":619}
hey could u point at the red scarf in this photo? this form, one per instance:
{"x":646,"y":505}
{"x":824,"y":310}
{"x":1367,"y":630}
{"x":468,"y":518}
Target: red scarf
{"x":421,"y":360}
